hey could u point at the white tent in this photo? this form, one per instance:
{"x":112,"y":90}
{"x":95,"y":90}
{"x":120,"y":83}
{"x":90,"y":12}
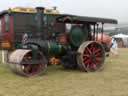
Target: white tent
{"x":120,"y":36}
{"x":123,"y":37}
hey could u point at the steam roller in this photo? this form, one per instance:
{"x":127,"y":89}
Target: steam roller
{"x":21,"y":62}
{"x":39,"y":37}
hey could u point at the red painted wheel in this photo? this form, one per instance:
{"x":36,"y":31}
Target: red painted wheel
{"x":21,"y":62}
{"x":91,"y":56}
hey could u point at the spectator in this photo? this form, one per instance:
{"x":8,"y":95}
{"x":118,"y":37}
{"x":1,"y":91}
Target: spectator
{"x":114,"y":47}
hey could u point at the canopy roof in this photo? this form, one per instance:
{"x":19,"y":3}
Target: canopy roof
{"x":87,"y":19}
{"x":74,"y":18}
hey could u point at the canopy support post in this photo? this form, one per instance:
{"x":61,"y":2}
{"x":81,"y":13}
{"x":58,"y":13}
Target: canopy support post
{"x":94,"y":31}
{"x":97,"y":31}
{"x":102,"y":31}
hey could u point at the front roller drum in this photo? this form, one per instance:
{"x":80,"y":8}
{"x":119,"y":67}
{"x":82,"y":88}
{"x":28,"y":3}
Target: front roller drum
{"x":20,"y":62}
{"x":91,"y":56}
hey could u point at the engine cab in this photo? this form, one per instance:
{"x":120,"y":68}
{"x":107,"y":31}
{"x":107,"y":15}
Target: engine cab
{"x":15,"y":22}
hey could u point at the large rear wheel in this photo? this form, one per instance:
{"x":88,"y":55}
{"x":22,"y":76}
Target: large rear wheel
{"x":91,"y":56}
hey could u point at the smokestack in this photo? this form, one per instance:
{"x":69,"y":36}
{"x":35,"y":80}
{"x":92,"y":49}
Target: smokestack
{"x":39,"y":18}
{"x":54,"y":8}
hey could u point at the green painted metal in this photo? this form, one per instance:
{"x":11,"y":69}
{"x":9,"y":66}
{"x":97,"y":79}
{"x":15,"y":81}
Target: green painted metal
{"x":77,"y":36}
{"x":56,"y":48}
{"x":50,"y":47}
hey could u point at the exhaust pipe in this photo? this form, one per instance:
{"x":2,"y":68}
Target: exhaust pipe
{"x":39,"y":18}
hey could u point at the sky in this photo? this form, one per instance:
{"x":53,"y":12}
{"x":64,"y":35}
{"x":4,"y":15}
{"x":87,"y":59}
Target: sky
{"x":117,"y":9}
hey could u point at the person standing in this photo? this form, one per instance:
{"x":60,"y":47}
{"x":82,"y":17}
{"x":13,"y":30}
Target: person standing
{"x":114,"y":47}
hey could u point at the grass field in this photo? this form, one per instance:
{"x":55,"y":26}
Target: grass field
{"x":112,"y":81}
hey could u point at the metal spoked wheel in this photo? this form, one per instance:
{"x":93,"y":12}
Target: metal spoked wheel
{"x":21,"y":62}
{"x":91,"y":56}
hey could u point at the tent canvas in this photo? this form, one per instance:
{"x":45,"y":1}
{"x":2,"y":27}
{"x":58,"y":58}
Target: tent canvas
{"x":120,"y":36}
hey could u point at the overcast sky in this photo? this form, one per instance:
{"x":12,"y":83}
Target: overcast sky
{"x":117,"y":9}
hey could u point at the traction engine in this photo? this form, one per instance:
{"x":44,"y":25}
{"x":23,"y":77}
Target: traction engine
{"x":37,"y":37}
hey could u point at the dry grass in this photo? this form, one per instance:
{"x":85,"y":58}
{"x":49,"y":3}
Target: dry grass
{"x":112,"y":81}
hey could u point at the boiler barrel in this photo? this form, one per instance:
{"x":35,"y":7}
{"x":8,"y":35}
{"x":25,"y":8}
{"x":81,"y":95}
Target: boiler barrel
{"x":53,"y":47}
